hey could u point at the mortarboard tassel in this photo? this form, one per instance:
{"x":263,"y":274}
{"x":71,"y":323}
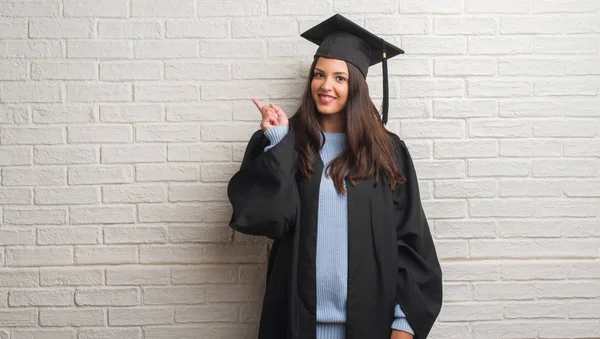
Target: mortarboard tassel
{"x":385,"y":104}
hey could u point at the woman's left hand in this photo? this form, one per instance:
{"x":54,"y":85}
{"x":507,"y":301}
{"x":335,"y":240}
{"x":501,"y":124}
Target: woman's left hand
{"x":401,"y":335}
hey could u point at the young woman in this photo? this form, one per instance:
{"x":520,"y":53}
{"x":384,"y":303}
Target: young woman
{"x":352,"y":255}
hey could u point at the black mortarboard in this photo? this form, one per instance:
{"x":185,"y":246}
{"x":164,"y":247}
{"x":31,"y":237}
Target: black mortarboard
{"x":340,"y":38}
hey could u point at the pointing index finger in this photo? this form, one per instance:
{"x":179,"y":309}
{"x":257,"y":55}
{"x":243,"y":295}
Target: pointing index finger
{"x":258,"y":104}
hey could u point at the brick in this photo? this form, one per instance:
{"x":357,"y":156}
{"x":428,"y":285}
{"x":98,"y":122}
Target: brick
{"x":102,"y":9}
{"x":131,"y":113}
{"x":578,"y":228}
{"x":71,"y":276}
{"x":13,"y":69}
{"x":32,"y":136}
{"x":266,"y":70}
{"x":205,"y":253}
{"x":13,"y":29}
{"x":566,"y":208}
{"x":577,"y":310}
{"x":582,"y":24}
{"x":44,"y":334}
{"x":500,"y":208}
{"x":102,"y":215}
{"x":135,"y":235}
{"x":456,"y":292}
{"x":252,"y":273}
{"x":530,"y":188}
{"x":140,"y":316}
{"x":536,"y":248}
{"x":100,"y":134}
{"x":489,"y":6}
{"x":133,"y":194}
{"x":191,"y":275}
{"x":163,"y":8}
{"x":179,"y":234}
{"x":430,"y":6}
{"x":534,"y":25}
{"x":167,"y":133}
{"x":499,"y":45}
{"x":275,"y":27}
{"x":30,"y":92}
{"x":218,"y":172}
{"x":13,"y":114}
{"x":107,"y":296}
{"x":34,"y":176}
{"x":465,"y":189}
{"x":18,"y":317}
{"x":399,"y":24}
{"x":230,"y":293}
{"x":15,"y":196}
{"x":30,"y":9}
{"x":105,"y":174}
{"x":565,"y":87}
{"x":431,"y":88}
{"x":132,"y":275}
{"x":459,"y":26}
{"x":503,"y":291}
{"x":504,"y":330}
{"x":586,"y":66}
{"x":66,"y":195}
{"x":15,"y":155}
{"x":55,"y":297}
{"x":110,"y":333}
{"x":107,"y":255}
{"x":72,"y":317}
{"x":582,"y":188}
{"x":61,"y":28}
{"x":556,"y":6}
{"x":233,"y":48}
{"x":170,"y":213}
{"x":128,"y":70}
{"x":288,"y":47}
{"x":526,"y":229}
{"x":432,"y":129}
{"x":577,"y":329}
{"x":196,"y":71}
{"x":436,"y":45}
{"x":225,"y":330}
{"x":101,"y":49}
{"x":205,"y":28}
{"x":20,"y":277}
{"x":583,"y":148}
{"x":207,"y":313}
{"x":466,"y":149}
{"x":464,"y":108}
{"x":39,"y":256}
{"x":499,"y":88}
{"x":465,"y":229}
{"x":199,"y":192}
{"x":469,"y":66}
{"x":35,"y":216}
{"x":539,"y":309}
{"x":169,"y":172}
{"x":134,"y":29}
{"x":67,"y":236}
{"x":445,"y":209}
{"x":205,"y":152}
{"x":65,"y":155}
{"x":565,"y":45}
{"x":56,"y":114}
{"x":530,"y":108}
{"x":533,"y":270}
{"x":440,"y":169}
{"x":564,"y":168}
{"x":133,"y":153}
{"x":166,"y":92}
{"x":166,"y":49}
{"x":31,"y":49}
{"x":470,"y":311}
{"x":17,"y":237}
{"x":310,"y":7}
{"x":99,"y":92}
{"x":501,"y":128}
{"x":234,"y":90}
{"x":530,"y":148}
{"x":531,"y":67}
{"x":174,"y":295}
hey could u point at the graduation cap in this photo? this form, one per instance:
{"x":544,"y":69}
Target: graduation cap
{"x":340,"y":38}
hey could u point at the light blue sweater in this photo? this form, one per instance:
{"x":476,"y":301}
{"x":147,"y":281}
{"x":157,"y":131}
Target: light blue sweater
{"x":332,"y":245}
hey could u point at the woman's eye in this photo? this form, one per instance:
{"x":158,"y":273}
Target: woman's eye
{"x":341,"y":79}
{"x":318,"y":75}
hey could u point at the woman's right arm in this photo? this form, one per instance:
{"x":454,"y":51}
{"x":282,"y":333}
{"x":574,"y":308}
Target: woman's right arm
{"x":263,"y":193}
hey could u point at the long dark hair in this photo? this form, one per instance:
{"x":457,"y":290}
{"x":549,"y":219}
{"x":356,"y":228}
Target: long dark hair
{"x":369,"y":150}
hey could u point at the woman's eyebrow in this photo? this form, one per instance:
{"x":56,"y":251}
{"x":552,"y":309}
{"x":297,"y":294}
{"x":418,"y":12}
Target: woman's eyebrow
{"x":322,"y":71}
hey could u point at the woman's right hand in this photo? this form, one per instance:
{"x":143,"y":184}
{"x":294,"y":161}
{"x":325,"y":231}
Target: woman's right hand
{"x":272,"y":116}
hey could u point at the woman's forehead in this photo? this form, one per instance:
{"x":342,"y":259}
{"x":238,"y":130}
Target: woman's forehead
{"x":331,"y":65}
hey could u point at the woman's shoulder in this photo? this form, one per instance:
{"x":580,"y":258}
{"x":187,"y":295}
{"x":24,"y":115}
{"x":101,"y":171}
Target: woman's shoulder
{"x":396,"y":141}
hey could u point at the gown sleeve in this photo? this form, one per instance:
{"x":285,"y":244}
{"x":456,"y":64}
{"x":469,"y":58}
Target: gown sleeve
{"x":264,"y":193}
{"x":419,"y":279}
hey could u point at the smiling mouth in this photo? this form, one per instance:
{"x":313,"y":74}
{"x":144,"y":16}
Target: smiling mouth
{"x":324,"y":98}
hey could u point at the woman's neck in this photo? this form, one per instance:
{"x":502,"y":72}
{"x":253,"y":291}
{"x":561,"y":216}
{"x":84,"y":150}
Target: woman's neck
{"x":332,"y":123}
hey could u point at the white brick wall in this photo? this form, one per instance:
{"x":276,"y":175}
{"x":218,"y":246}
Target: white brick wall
{"x":121,"y":122}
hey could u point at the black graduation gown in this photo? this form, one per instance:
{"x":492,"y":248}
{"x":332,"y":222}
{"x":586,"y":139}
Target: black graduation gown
{"x":391,"y":255}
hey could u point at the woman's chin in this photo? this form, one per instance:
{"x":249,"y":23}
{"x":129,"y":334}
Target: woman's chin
{"x":327,"y":110}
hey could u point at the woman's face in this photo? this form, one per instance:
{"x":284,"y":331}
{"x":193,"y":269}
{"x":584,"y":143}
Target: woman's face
{"x":329,"y":86}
